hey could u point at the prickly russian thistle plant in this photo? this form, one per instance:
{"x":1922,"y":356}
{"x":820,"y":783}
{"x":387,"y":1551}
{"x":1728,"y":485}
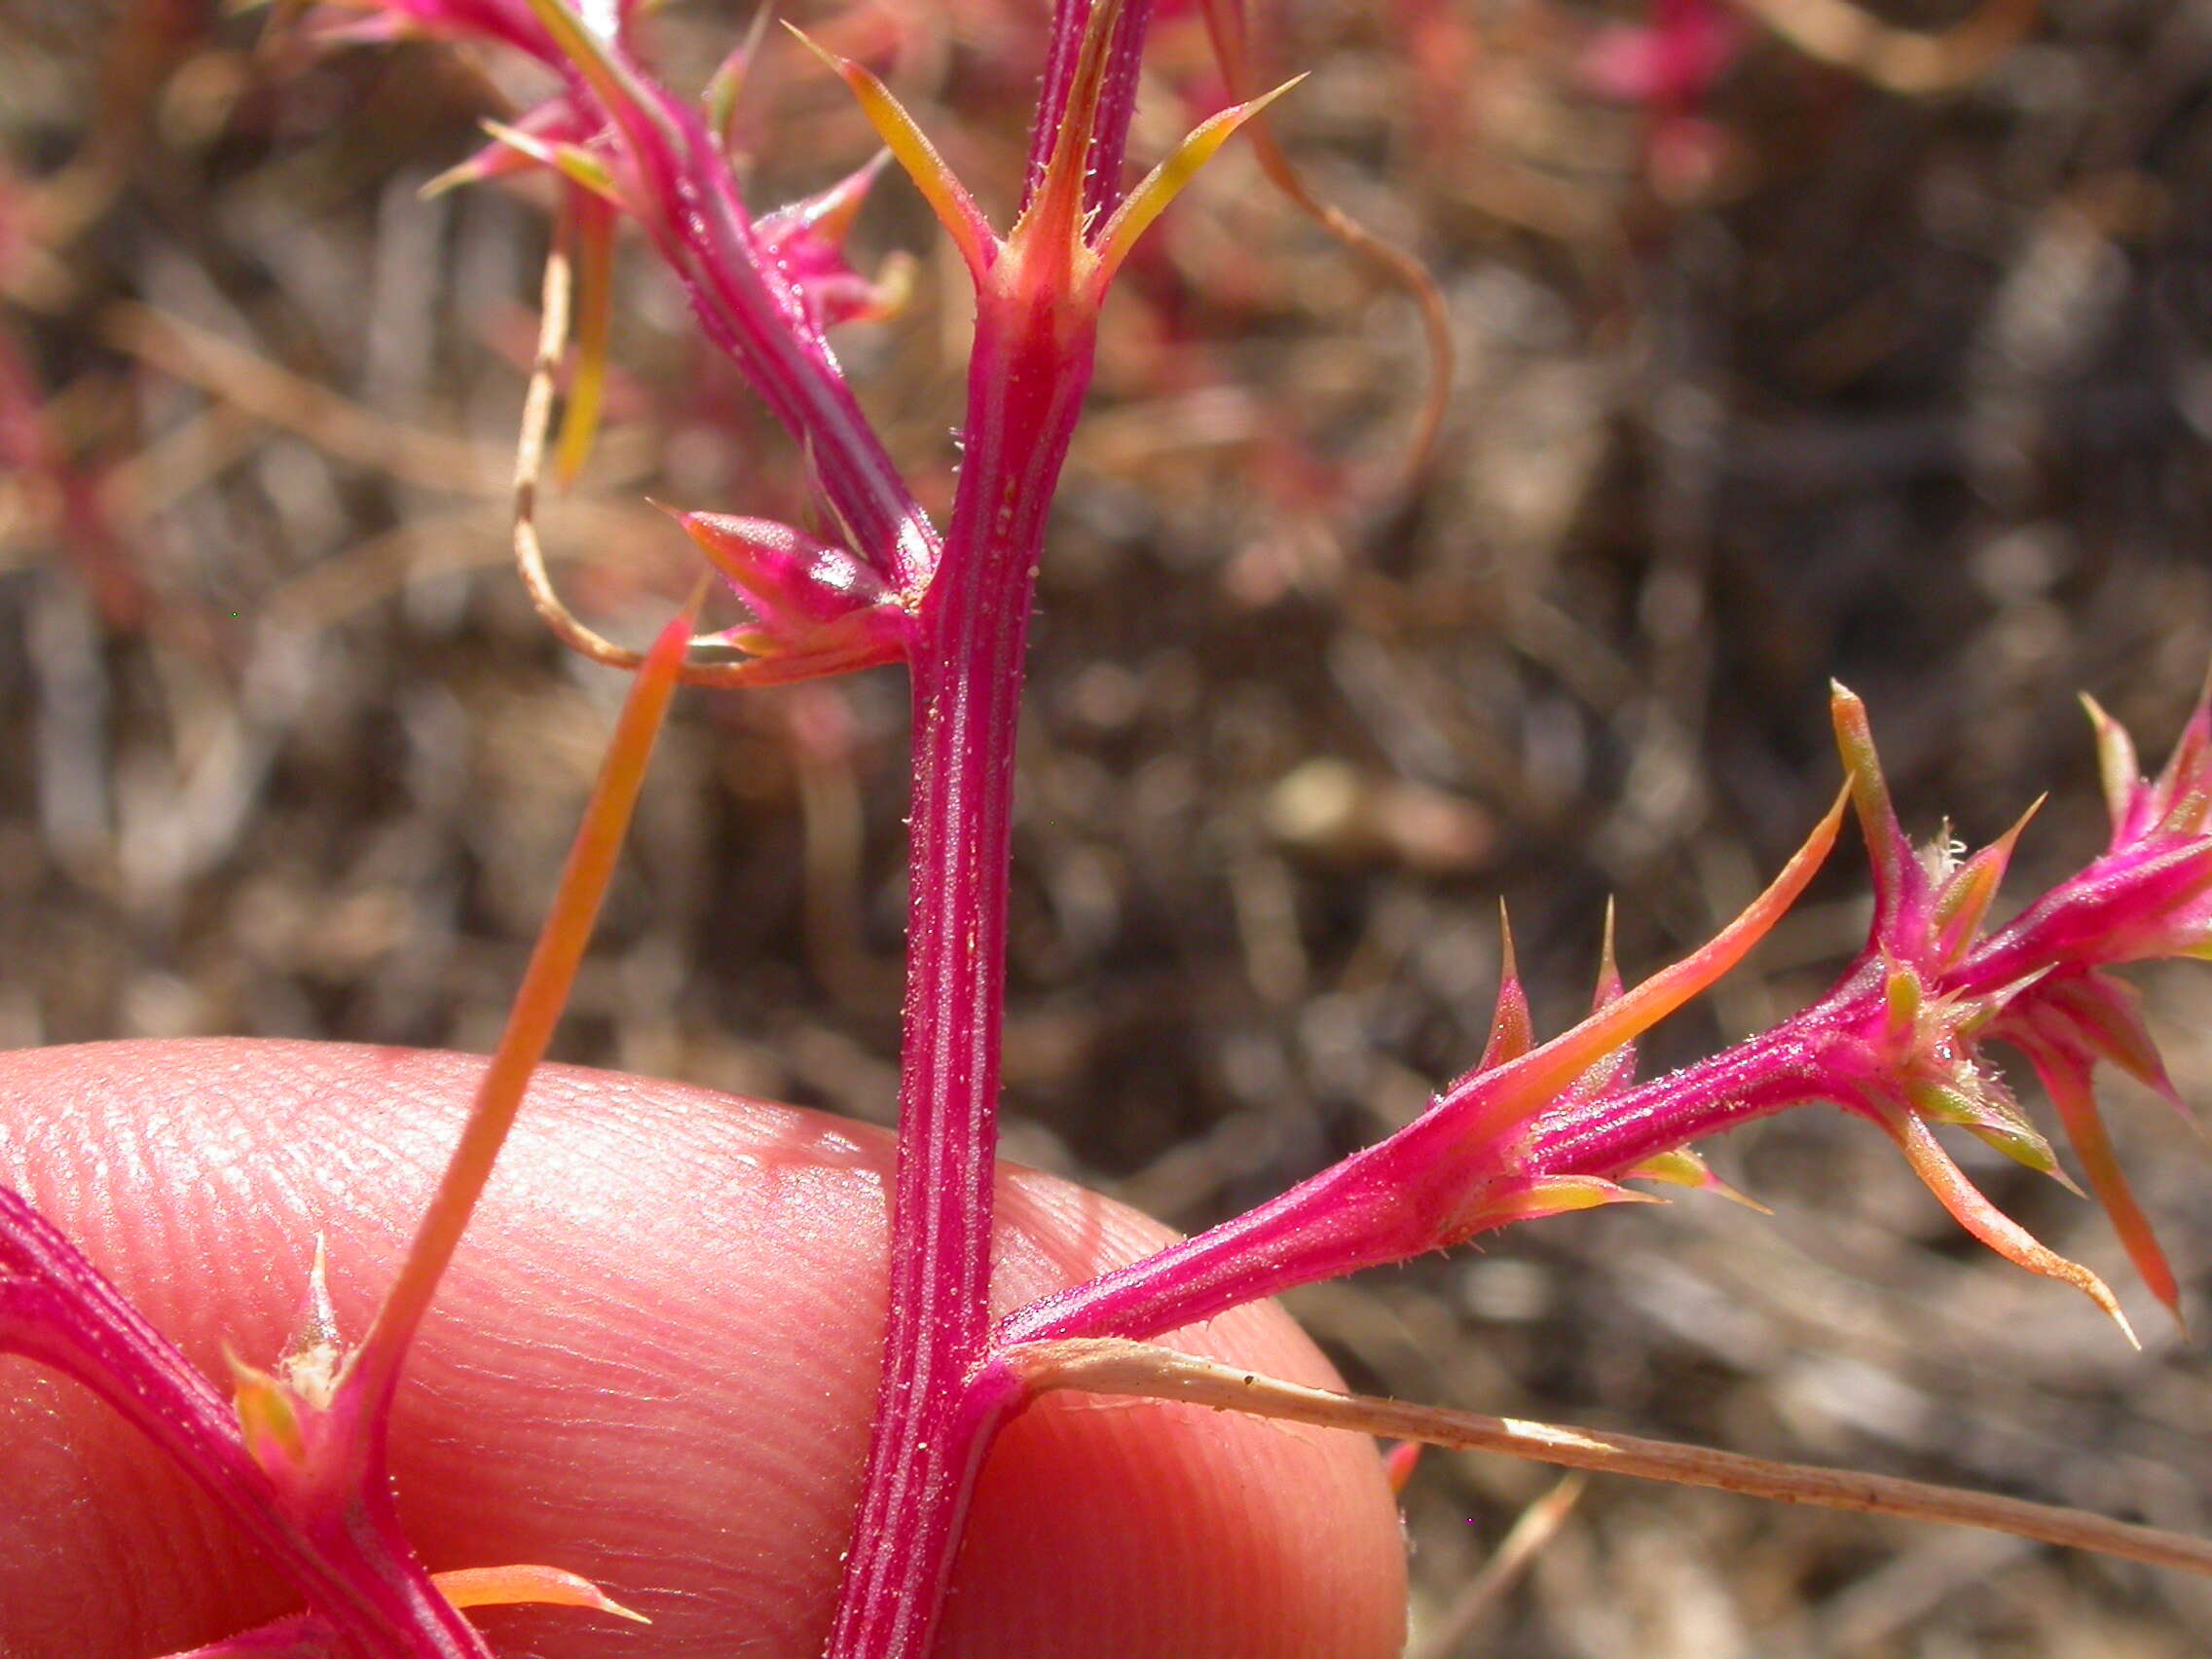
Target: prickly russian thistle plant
{"x":295,"y":1453}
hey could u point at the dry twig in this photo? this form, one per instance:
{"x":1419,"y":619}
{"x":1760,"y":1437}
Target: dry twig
{"x":1140,"y":1370}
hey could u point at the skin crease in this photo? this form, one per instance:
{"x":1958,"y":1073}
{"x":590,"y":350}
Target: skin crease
{"x":652,"y":1363}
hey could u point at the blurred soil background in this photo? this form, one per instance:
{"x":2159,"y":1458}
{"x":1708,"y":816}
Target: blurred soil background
{"x":1772,"y":369}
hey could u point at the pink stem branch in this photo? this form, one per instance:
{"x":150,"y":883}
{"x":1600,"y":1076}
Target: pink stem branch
{"x":349,"y":1566}
{"x":1370,"y":1210}
{"x":935,"y":1416}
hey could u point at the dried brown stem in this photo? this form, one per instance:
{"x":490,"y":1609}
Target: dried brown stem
{"x":333,"y":424}
{"x":1538,"y":1526}
{"x":1225,"y":24}
{"x":555,"y":297}
{"x":1900,"y":60}
{"x":1139,"y":1369}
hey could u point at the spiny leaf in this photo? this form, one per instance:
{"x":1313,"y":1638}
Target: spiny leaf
{"x":534,"y":140}
{"x":2180,"y":802}
{"x":572,"y":162}
{"x":1554,"y":1195}
{"x":1399,"y":1464}
{"x":1512,"y":1031}
{"x":1992,"y":1226}
{"x":1682,"y":1168}
{"x":1609,"y":986}
{"x":1166,"y":181}
{"x":658,"y":148}
{"x":266,"y":1416}
{"x":1955,"y":917}
{"x":723,"y":86}
{"x":1507,"y":1095}
{"x":1894,"y":868}
{"x":1904,"y":1003}
{"x":2067,"y":1082}
{"x":543,"y":1586}
{"x":903,"y":137}
{"x":1051,"y":223}
{"x":537,"y":1007}
{"x":2103,"y":1011}
{"x":306,"y":1637}
{"x":593,"y":57}
{"x":806,"y":239}
{"x":2117,"y":768}
{"x":1615,"y":1070}
{"x":592,"y":226}
{"x":311,"y":1363}
{"x":831,"y":212}
{"x":819,"y":611}
{"x":790,"y":580}
{"x":1982,"y":1108}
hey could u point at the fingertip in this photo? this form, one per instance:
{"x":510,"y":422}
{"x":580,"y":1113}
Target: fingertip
{"x":1197,"y":1535}
{"x":652,"y":1364}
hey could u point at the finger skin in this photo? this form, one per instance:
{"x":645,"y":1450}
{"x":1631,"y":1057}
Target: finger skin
{"x":651,"y":1363}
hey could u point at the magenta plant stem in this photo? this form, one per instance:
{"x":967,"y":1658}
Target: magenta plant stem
{"x":1030,"y":369}
{"x":1116,"y":101}
{"x":941,"y":1401}
{"x":1368,"y":1210}
{"x":1793,"y":1064}
{"x":56,"y":1308}
{"x":751,"y":309}
{"x":1346,"y":1218}
{"x":2101,"y":916}
{"x":764,"y":326}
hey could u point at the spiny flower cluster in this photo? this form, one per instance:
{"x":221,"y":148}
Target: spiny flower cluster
{"x":1900,"y":1040}
{"x":767,"y":289}
{"x":764,"y":289}
{"x":297,"y":1460}
{"x":1903,"y":1038}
